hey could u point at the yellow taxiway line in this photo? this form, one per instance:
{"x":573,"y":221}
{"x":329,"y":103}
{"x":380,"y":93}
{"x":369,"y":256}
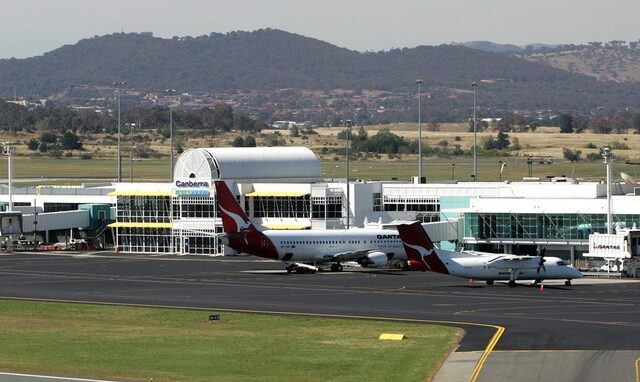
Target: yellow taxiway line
{"x":474,"y":375}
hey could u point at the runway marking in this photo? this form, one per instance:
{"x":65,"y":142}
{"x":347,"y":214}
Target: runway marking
{"x":637,"y":369}
{"x":474,"y":375}
{"x":52,"y":377}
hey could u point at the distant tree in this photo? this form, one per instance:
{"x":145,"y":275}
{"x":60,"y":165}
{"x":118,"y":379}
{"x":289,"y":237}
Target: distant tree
{"x":238,"y":142}
{"x":619,"y":124}
{"x":500,"y":142}
{"x":250,"y":141}
{"x":566,"y":123}
{"x":383,"y":142}
{"x":33,"y":144}
{"x":70,"y":141}
{"x":48,"y":137}
{"x":600,"y":125}
{"x":635,"y":122}
{"x":503,"y":140}
{"x":571,"y":155}
{"x":274,"y":139}
{"x":294,"y":131}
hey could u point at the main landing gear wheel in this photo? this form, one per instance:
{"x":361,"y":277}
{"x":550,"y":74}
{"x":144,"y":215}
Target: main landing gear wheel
{"x":567,"y":283}
{"x":512,"y":284}
{"x":489,"y":282}
{"x":336,"y":267}
{"x":290,"y":268}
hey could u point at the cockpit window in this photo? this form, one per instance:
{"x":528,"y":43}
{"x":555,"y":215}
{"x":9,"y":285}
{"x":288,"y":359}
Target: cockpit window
{"x":562,"y":263}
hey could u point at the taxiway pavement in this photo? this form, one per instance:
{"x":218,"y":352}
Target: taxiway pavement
{"x":589,"y":326}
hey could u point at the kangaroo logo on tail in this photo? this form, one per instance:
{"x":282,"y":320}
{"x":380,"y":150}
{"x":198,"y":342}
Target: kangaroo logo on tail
{"x":233,"y":217}
{"x":422,"y":254}
{"x":240,"y":223}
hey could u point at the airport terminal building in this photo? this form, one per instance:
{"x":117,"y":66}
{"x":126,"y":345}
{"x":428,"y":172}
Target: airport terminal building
{"x":283,"y":188}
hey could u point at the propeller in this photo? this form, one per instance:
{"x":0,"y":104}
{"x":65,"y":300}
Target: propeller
{"x":542,"y":260}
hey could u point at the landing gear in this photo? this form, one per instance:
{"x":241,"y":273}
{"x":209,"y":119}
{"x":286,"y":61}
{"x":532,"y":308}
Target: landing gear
{"x":337,"y":267}
{"x":290,"y":268}
{"x":512,"y":284}
{"x":489,"y":282}
{"x":567,"y":283}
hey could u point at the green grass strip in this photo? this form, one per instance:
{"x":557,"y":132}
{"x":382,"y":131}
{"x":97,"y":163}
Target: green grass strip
{"x":95,"y":341}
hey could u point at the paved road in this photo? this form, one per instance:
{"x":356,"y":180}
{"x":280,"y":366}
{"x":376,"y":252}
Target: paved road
{"x":589,"y":326}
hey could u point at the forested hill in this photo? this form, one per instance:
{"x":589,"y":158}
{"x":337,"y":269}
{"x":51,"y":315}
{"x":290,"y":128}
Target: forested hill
{"x":272,"y":59}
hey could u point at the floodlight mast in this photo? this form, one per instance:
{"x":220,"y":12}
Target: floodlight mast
{"x":419,"y":83}
{"x":607,"y":155}
{"x":118,"y":85}
{"x":475,"y":138}
{"x":346,"y":149}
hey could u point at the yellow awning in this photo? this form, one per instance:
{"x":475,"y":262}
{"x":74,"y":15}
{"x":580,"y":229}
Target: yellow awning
{"x":139,"y":225}
{"x":140,"y":193}
{"x":284,"y":194}
{"x":286,"y":226}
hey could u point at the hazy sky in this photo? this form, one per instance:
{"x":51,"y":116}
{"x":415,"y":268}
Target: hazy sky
{"x":33,"y":27}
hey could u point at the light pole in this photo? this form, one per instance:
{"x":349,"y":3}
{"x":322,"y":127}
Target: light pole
{"x":346,"y":149}
{"x":171,"y":91}
{"x":8,"y":151}
{"x":502,"y":166}
{"x":419,"y":82}
{"x":475,"y":139}
{"x":608,"y":161}
{"x":131,"y":126}
{"x":119,"y":86}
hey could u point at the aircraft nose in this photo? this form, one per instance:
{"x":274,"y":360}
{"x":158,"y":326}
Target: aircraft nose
{"x":577,"y":273}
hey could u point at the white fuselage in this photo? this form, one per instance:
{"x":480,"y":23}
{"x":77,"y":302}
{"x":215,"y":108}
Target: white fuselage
{"x":322,"y":245}
{"x":499,"y":267}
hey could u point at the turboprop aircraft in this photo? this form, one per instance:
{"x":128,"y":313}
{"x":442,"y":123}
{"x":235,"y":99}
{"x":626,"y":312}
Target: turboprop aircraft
{"x":368,"y":247}
{"x":424,"y":255}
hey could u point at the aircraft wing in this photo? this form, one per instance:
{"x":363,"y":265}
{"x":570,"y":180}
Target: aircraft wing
{"x":348,"y":255}
{"x":515,"y":262}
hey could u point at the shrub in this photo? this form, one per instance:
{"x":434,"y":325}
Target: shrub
{"x":85,"y":156}
{"x":571,"y":155}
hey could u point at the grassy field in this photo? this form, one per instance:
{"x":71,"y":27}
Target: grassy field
{"x":171,"y":345}
{"x":544,"y":142}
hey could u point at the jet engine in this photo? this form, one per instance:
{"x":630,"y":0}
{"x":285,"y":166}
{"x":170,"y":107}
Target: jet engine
{"x":374,"y":260}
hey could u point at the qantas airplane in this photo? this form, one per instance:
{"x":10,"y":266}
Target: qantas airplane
{"x":369,"y":247}
{"x":423,"y":255}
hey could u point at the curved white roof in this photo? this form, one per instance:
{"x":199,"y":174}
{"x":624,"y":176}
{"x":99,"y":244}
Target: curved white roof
{"x":249,"y":163}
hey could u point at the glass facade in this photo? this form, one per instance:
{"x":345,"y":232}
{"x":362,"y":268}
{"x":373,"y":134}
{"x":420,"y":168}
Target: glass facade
{"x":144,"y":240}
{"x":58,"y":207}
{"x":281,"y":207}
{"x":490,"y":226}
{"x":416,"y":203}
{"x":194,"y":207}
{"x":144,"y":209}
{"x":329,"y":207}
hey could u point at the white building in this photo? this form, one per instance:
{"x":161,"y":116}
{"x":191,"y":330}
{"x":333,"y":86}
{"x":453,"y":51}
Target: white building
{"x":282,"y":188}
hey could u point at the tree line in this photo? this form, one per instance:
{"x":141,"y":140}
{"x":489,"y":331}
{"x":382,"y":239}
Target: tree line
{"x":220,"y":118}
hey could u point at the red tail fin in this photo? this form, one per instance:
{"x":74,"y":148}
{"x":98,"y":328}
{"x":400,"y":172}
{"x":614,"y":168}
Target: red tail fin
{"x":233,"y":217}
{"x":420,"y":249}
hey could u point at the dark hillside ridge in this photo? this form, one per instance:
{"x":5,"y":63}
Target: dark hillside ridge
{"x":269,"y":59}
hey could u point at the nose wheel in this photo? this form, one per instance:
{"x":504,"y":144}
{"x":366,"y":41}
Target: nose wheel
{"x":337,"y":267}
{"x":567,"y":283}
